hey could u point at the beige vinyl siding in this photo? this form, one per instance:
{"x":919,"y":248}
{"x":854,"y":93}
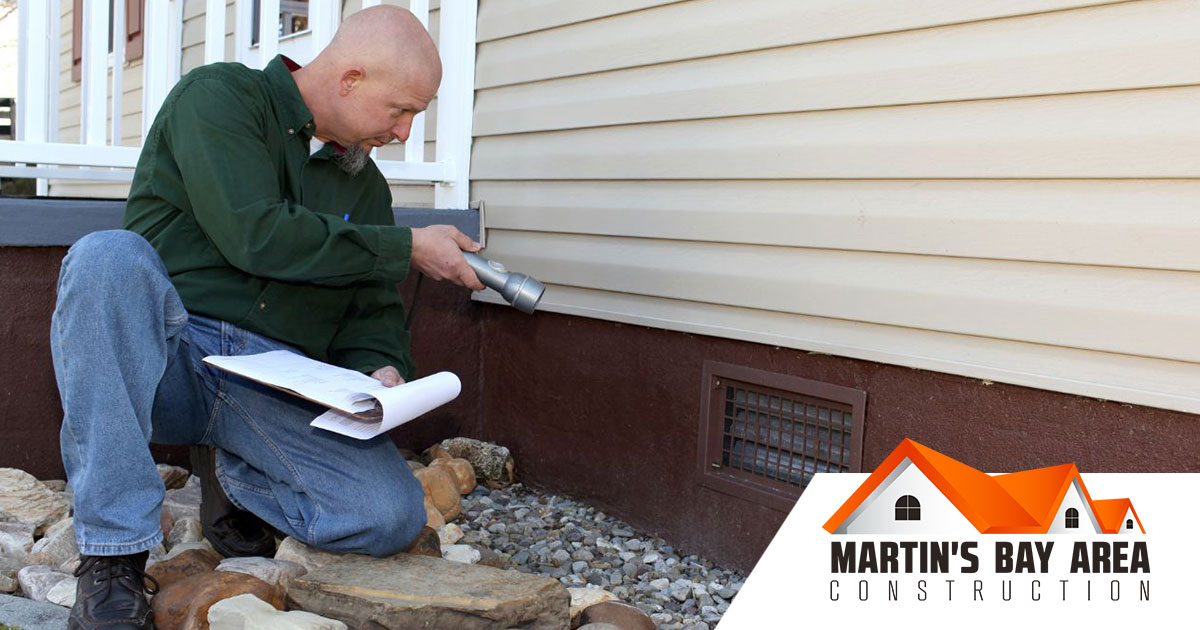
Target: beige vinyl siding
{"x":1003,"y":190}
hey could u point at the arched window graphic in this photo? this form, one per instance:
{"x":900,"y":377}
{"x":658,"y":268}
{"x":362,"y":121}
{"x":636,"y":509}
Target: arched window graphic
{"x":1128,"y":523}
{"x":908,"y":508}
{"x":1072,"y":518}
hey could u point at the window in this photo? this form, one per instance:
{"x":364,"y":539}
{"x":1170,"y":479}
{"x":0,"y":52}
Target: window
{"x":1072,"y":518}
{"x":293,"y":18}
{"x":908,"y":508}
{"x":1128,"y":523}
{"x":135,"y":10}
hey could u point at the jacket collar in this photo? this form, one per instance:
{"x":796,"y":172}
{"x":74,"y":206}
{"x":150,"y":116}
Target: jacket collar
{"x":294,"y":116}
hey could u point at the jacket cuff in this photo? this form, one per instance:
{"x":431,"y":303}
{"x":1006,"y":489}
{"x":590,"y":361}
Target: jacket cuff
{"x":395,"y":253}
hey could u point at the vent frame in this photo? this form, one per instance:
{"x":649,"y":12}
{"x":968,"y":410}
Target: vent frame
{"x":754,"y":486}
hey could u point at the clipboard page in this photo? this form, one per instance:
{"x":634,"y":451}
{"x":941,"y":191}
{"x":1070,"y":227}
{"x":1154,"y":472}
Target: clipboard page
{"x":401,"y":404}
{"x":329,"y":385}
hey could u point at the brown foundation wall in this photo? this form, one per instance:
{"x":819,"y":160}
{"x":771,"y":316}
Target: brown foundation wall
{"x":609,"y":413}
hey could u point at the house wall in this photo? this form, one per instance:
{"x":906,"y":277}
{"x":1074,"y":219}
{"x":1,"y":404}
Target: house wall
{"x":1001,"y":190}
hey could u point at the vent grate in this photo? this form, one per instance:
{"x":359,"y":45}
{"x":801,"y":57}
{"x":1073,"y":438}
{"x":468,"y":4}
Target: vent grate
{"x":765,"y":434}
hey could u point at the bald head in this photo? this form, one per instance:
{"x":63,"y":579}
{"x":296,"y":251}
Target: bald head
{"x":385,"y":39}
{"x":381,"y":63}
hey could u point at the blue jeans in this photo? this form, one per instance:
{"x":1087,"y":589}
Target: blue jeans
{"x":127,"y":357}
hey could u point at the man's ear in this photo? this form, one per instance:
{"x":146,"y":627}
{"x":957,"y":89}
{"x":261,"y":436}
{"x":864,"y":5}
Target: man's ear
{"x":350,"y":80}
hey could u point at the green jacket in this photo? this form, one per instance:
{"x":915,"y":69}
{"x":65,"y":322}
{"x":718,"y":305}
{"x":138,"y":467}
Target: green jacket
{"x":252,"y":229}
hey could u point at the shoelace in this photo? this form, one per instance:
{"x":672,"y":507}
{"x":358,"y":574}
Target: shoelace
{"x":113,"y":568}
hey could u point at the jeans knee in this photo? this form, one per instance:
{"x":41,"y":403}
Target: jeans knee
{"x":395,"y":523}
{"x":383,"y":526}
{"x":111,"y":256}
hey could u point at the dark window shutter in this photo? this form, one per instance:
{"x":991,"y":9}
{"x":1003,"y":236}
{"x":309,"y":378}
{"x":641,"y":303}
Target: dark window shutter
{"x":77,"y":40}
{"x":134,"y":11}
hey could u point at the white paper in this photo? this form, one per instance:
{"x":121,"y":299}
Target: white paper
{"x":344,"y":391}
{"x":400,"y":404}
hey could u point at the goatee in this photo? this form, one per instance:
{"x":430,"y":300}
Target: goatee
{"x":352,"y":160}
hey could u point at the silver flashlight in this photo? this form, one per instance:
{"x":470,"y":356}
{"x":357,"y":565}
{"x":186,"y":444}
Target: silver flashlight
{"x":517,"y":289}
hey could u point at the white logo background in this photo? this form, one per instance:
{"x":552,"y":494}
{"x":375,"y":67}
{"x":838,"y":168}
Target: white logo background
{"x":790,"y":586}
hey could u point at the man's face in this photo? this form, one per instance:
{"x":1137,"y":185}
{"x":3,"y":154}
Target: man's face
{"x":377,"y":111}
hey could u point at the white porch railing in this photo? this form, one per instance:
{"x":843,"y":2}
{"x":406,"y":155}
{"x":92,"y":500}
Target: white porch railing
{"x":37,"y":151}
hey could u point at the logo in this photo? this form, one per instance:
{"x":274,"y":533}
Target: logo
{"x":917,"y":490}
{"x":930,"y":540}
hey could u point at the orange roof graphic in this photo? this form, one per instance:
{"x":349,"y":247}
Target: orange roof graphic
{"x":1017,"y":503}
{"x":1111,"y":513}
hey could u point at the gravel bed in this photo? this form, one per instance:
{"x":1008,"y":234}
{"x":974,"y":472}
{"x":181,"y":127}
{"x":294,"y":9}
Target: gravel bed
{"x":565,"y":539}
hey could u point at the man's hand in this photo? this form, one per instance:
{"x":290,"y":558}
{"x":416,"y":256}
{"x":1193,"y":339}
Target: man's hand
{"x":437,"y":253}
{"x":388,"y":375}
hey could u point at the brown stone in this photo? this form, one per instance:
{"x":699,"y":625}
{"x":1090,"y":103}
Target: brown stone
{"x":427,"y":544}
{"x":439,"y":486}
{"x":408,"y":591}
{"x":433,"y":516}
{"x":436,"y":452}
{"x":184,"y":604}
{"x":464,"y":474}
{"x":187,"y":564}
{"x":165,"y":522}
{"x":620,"y":615}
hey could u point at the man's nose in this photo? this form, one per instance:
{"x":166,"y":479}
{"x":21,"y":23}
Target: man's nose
{"x":402,"y":129}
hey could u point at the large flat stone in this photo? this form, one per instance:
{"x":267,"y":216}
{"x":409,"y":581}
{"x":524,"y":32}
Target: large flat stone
{"x":409,"y":591}
{"x":27,"y":614}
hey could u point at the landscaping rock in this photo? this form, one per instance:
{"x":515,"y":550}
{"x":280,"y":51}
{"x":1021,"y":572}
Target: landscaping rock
{"x":16,"y":539}
{"x":449,"y":534}
{"x":293,"y":550}
{"x":623,"y":616}
{"x":55,"y":485}
{"x":184,"y":565}
{"x":37,"y":580}
{"x":184,"y":605}
{"x":461,"y":553}
{"x":173,"y":477}
{"x":278,"y":573}
{"x":58,"y":546}
{"x":63,"y":593}
{"x":165,"y":522}
{"x":25,"y":499}
{"x":26,"y":614}
{"x":464,"y":473}
{"x":427,"y":543}
{"x":583,"y":598}
{"x":247,"y":612}
{"x":184,"y":502}
{"x":161,"y":554}
{"x":185,"y":530}
{"x":441,"y":489}
{"x":600,"y":626}
{"x":493,"y":464}
{"x":433,"y":516}
{"x":408,"y":591}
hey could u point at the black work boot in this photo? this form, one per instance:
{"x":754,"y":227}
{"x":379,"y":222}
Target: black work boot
{"x":233,"y":532}
{"x":110,"y":594}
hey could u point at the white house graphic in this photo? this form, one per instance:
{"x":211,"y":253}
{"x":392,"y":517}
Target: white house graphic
{"x":917,"y":490}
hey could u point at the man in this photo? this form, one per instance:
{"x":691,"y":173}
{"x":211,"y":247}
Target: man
{"x":255,"y":222}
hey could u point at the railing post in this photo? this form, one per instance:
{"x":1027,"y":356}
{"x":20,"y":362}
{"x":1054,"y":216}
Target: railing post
{"x":34,"y":88}
{"x":214,"y":32}
{"x":324,"y":16}
{"x":414,"y":147}
{"x":118,"y":69}
{"x":456,"y":102}
{"x":155,"y":62}
{"x":93,"y":110}
{"x":268,"y":31}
